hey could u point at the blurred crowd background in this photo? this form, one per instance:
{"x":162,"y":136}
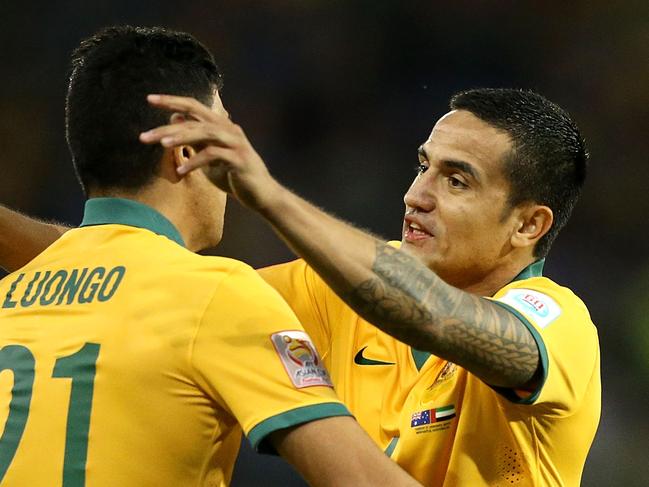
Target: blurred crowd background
{"x":337,"y":96}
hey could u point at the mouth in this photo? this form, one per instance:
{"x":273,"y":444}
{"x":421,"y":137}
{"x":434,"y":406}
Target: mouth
{"x":414,"y":232}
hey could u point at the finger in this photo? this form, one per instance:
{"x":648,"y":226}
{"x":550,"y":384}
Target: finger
{"x":218,"y":174}
{"x":216,"y":158}
{"x":223,"y":135}
{"x":154,"y":135}
{"x":183,"y":104}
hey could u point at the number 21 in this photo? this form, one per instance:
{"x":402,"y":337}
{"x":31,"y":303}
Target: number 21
{"x":80,"y":367}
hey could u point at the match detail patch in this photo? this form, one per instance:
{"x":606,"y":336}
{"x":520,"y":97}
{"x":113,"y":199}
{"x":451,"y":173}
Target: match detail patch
{"x":430,"y":416}
{"x":300,"y":359}
{"x":538,"y":306}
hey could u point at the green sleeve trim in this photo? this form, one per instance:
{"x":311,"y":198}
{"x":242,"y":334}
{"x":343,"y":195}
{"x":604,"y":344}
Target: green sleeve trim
{"x":294,"y":417}
{"x":543,"y":355}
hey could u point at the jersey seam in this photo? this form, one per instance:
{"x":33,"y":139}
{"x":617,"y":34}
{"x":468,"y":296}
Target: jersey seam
{"x":190,"y":351}
{"x":581,"y":397}
{"x":312,"y":276}
{"x":537,"y":455}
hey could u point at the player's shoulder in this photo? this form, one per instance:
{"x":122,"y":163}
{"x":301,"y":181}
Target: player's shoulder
{"x":282,"y":267}
{"x":546,"y":286}
{"x":297,"y":270}
{"x":295,"y":274}
{"x":217,"y":267}
{"x":177,"y":267}
{"x":227,"y":284}
{"x":545,"y":301}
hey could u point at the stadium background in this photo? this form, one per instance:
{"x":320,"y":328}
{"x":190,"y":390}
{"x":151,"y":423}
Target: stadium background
{"x":337,"y":96}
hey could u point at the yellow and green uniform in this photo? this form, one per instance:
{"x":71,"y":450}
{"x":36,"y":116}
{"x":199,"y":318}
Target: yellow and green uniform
{"x":126,"y":359}
{"x":371,"y":371}
{"x":444,"y":425}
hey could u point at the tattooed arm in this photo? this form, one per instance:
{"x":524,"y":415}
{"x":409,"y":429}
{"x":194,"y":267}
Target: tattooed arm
{"x":417,"y":307}
{"x":388,"y":288}
{"x":22,"y":238}
{"x":401,"y":296}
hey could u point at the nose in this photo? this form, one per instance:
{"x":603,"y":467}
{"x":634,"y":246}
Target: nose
{"x":420,"y":195}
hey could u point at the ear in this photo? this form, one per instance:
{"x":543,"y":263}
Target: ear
{"x":533,"y":222}
{"x":182,"y":154}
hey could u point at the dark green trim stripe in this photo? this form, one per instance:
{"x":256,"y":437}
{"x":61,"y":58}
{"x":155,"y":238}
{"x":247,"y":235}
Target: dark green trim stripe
{"x":121,"y":211}
{"x":290,"y":418}
{"x":543,"y":353}
{"x":393,"y":444}
{"x":533,"y":270}
{"x":419,"y":357}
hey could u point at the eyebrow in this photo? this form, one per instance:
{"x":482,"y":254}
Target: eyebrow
{"x":463,"y":166}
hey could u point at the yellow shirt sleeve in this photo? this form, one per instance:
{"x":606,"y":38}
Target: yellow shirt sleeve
{"x":566,"y":337}
{"x":252,"y":356}
{"x":308,"y":296}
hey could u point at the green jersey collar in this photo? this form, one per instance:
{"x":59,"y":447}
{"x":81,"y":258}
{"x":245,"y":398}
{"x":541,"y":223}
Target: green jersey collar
{"x":535,"y":269}
{"x":120,"y":211}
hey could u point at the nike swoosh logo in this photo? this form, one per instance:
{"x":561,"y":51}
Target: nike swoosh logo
{"x":360,"y":360}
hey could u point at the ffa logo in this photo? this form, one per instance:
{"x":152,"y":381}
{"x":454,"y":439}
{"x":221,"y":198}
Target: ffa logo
{"x":540,"y":308}
{"x":533,"y":301}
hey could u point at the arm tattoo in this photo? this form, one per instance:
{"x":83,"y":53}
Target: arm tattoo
{"x":410,"y":302}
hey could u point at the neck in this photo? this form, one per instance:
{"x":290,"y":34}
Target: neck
{"x":490,"y":283}
{"x":167,"y":201}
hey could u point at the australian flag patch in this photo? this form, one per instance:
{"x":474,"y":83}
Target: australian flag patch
{"x":429,"y":416}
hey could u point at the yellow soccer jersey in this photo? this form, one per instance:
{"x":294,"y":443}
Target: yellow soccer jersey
{"x":453,"y":429}
{"x":371,"y":371}
{"x":126,"y":360}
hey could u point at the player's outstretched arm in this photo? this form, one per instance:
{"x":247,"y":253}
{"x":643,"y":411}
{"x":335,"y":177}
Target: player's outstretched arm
{"x":337,"y":452}
{"x":400,"y":295}
{"x":22,"y":238}
{"x":389,"y":288}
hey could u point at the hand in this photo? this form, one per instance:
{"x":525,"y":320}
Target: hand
{"x":223,"y":150}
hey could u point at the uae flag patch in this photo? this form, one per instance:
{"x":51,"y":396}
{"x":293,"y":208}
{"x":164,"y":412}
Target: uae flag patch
{"x":430,"y":416}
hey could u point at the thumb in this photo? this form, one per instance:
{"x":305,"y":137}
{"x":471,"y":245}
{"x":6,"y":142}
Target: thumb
{"x":219,"y":173}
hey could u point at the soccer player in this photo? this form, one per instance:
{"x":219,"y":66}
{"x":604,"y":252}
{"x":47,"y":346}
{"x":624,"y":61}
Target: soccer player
{"x":498,"y":179}
{"x":497,"y":380}
{"x":127,"y":359}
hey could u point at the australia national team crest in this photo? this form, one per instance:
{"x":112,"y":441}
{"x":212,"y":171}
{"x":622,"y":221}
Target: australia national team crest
{"x":300,"y":359}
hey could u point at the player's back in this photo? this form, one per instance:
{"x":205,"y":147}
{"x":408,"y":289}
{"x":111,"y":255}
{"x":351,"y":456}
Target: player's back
{"x":98,"y":332}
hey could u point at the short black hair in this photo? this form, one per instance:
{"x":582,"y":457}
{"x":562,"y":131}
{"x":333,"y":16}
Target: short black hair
{"x":106,"y":108}
{"x":548,"y":161}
